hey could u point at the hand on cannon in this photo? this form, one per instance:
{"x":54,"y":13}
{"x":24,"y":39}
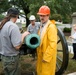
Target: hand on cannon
{"x":31,"y":42}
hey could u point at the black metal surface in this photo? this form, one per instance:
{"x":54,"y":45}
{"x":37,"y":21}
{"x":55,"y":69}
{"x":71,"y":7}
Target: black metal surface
{"x":65,"y":53}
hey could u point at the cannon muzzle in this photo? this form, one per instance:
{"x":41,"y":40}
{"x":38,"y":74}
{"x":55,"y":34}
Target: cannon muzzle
{"x":32,"y":41}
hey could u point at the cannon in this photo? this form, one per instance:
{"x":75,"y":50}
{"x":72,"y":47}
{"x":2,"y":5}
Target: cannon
{"x":62,"y":54}
{"x":31,"y":42}
{"x":62,"y":50}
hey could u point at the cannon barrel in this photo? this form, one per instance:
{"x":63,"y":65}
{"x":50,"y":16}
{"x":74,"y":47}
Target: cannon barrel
{"x":31,"y":42}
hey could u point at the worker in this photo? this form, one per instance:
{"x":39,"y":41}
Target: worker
{"x":33,"y":28}
{"x":47,"y":51}
{"x":10,"y":42}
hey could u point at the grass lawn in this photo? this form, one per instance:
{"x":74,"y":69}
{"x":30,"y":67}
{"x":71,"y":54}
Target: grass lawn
{"x":71,"y":66}
{"x":28,"y":65}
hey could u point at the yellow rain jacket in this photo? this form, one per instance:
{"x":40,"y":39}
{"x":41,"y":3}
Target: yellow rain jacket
{"x":47,"y":50}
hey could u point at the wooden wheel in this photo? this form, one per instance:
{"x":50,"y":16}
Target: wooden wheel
{"x":62,"y":54}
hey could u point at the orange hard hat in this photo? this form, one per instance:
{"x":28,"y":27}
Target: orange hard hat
{"x":44,"y":10}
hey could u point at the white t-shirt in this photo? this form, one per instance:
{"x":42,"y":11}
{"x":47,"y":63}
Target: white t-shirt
{"x":74,"y":36}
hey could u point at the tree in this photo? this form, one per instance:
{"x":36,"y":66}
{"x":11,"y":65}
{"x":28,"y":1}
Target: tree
{"x":56,"y":17}
{"x":28,"y":6}
{"x":72,"y":5}
{"x":4,"y":5}
{"x":1,"y":17}
{"x":62,"y":7}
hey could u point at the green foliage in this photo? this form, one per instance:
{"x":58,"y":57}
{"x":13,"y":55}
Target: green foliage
{"x":1,"y":17}
{"x":73,"y":5}
{"x":62,"y":7}
{"x":67,"y":29}
{"x":67,"y":19}
{"x":4,"y":5}
{"x":56,"y":17}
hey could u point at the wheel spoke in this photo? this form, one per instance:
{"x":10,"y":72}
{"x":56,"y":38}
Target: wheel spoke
{"x":60,"y":50}
{"x":59,"y":58}
{"x":57,"y":65}
{"x":58,"y":41}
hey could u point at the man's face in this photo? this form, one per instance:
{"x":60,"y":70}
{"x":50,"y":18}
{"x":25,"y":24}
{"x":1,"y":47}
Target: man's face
{"x":44,"y":18}
{"x":32,"y":22}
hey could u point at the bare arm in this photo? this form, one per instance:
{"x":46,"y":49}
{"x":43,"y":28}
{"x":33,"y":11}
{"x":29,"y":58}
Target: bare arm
{"x":22,"y":39}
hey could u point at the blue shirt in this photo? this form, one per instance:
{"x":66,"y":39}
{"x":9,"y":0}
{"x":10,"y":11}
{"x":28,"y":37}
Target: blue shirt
{"x":33,"y":29}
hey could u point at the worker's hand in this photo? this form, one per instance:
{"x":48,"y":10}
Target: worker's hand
{"x":25,"y":33}
{"x":71,"y":37}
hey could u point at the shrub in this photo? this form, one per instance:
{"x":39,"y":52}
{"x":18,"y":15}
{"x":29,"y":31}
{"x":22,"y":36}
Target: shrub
{"x":67,"y":29}
{"x":56,"y":17}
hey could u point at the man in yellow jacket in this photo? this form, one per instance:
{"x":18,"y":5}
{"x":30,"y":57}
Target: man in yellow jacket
{"x":47,"y":51}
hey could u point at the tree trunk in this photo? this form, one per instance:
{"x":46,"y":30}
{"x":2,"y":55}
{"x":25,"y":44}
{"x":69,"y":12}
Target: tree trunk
{"x":27,"y":21}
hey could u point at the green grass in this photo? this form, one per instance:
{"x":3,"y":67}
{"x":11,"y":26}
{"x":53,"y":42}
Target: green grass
{"x":71,"y":65}
{"x":23,"y":25}
{"x":27,"y":65}
{"x":1,"y":69}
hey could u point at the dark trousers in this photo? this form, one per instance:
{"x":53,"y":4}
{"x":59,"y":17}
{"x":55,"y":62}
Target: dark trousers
{"x":74,"y":50}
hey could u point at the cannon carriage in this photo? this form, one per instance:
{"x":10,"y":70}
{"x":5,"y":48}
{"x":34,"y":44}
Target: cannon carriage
{"x":62,"y":50}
